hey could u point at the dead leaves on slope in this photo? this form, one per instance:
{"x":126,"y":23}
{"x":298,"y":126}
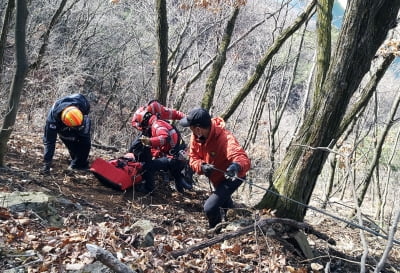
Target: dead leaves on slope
{"x":47,"y":249}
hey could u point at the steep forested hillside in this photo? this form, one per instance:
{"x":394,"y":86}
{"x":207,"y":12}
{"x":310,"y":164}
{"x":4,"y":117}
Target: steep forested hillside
{"x":85,"y":211}
{"x":315,"y":108}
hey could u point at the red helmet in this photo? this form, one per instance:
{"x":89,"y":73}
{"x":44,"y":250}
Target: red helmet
{"x":72,"y":116}
{"x":140,"y":118}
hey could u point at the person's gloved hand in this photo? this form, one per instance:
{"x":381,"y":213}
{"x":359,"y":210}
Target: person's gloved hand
{"x":145,"y":141}
{"x":46,"y":168}
{"x":207,"y":169}
{"x":129,"y":156}
{"x":232,"y":171}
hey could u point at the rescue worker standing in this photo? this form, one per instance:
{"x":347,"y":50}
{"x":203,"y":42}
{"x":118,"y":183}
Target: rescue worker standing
{"x":158,"y":147}
{"x":68,"y":118}
{"x":215,"y":152}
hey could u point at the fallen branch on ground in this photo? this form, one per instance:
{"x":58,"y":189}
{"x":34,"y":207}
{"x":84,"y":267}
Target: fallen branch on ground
{"x":260,"y":224}
{"x":104,"y":147}
{"x":108,"y":259}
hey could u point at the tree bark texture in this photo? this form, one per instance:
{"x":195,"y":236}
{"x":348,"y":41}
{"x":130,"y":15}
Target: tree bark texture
{"x":366,"y":94}
{"x":324,"y":26}
{"x":162,"y":65}
{"x":365,"y":27}
{"x":4,"y":31}
{"x":219,"y":62}
{"x":18,"y":80}
{"x":108,"y":259}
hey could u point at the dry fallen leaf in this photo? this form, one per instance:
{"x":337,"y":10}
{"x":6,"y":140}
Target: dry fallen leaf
{"x":4,"y":214}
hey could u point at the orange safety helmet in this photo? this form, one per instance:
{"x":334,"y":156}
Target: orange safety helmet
{"x":141,"y":118}
{"x":72,"y":116}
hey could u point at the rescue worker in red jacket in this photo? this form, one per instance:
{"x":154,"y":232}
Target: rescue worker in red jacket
{"x":68,"y":118}
{"x":158,"y":147}
{"x":215,"y":152}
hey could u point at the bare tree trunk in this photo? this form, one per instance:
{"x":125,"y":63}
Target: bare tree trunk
{"x":380,"y":212}
{"x":359,"y":108}
{"x":46,"y":35}
{"x":258,"y":111}
{"x":376,"y":175}
{"x":334,"y":164}
{"x":357,"y":139}
{"x":162,"y":65}
{"x":306,"y":99}
{"x":378,"y":150}
{"x":219,"y":61}
{"x":331,"y":180}
{"x":389,"y":245}
{"x":324,"y":11}
{"x":360,"y":222}
{"x":249,"y":85}
{"x":367,"y":93}
{"x":197,"y":76}
{"x":281,"y":108}
{"x":19,"y":78}
{"x":175,"y":62}
{"x":4,"y":30}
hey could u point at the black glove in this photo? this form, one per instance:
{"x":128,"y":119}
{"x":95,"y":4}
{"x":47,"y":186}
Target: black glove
{"x":207,"y":169}
{"x":232,"y":171}
{"x":46,"y":168}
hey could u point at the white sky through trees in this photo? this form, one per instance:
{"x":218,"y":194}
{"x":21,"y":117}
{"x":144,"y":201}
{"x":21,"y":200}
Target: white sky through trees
{"x":342,"y":3}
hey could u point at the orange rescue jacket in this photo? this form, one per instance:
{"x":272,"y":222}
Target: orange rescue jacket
{"x":220,"y":149}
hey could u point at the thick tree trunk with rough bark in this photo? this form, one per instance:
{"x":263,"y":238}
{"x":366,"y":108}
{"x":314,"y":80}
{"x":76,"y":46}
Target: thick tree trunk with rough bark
{"x":364,"y":29}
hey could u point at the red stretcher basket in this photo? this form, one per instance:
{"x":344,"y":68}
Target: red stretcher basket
{"x":121,"y":173}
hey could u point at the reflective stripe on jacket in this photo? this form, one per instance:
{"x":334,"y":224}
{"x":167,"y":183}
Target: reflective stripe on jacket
{"x":163,"y":112}
{"x":163,"y":138}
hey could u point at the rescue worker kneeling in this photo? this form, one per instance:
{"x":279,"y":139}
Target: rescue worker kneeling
{"x":68,"y":118}
{"x":158,"y":148}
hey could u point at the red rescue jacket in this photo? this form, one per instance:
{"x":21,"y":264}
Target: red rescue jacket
{"x":220,"y":149}
{"x":163,"y":112}
{"x":163,"y":138}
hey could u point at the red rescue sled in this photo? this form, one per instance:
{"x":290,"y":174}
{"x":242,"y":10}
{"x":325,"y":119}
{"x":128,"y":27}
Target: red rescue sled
{"x":121,"y":173}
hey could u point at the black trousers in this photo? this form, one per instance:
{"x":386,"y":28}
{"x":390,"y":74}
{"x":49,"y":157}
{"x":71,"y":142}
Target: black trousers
{"x":221,"y":198}
{"x":143,"y":154}
{"x":165,"y":164}
{"x":79,"y":151}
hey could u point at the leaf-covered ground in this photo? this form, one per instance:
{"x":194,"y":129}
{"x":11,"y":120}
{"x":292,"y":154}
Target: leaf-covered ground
{"x":93,"y":213}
